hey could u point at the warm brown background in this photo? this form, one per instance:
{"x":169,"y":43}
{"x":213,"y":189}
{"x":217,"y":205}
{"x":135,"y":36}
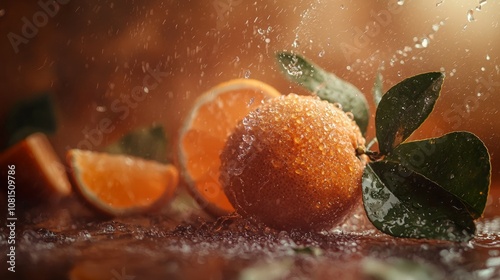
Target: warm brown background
{"x":92,"y":54}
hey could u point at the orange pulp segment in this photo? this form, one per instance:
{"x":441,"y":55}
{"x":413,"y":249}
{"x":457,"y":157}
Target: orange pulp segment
{"x":204,"y":132}
{"x":35,"y":170}
{"x":120,"y":184}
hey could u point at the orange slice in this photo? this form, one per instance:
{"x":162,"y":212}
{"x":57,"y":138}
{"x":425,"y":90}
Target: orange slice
{"x":121,"y":185}
{"x":35,"y":172}
{"x":204,"y":132}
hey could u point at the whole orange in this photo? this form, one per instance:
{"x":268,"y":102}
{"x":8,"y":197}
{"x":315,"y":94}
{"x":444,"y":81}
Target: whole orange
{"x":292,"y":164}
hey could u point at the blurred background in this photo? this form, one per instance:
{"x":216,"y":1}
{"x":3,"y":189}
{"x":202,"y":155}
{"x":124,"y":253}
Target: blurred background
{"x":131,"y":63}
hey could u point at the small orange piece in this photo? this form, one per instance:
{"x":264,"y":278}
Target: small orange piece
{"x":292,"y":164}
{"x":37,"y":173}
{"x":121,"y":185}
{"x":204,"y":132}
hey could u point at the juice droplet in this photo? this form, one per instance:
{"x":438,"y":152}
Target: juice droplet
{"x":350,"y":115}
{"x":247,"y":74}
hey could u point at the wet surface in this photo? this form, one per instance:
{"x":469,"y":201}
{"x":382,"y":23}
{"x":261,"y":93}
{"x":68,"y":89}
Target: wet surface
{"x":182,"y":243}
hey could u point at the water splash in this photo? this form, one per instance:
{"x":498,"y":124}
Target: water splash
{"x":305,"y":18}
{"x":292,"y":68}
{"x":264,"y":34}
{"x":422,"y":43}
{"x":247,"y":74}
{"x":481,"y":4}
{"x":470,"y":12}
{"x":470,"y":16}
{"x":296,"y":43}
{"x":418,"y":43}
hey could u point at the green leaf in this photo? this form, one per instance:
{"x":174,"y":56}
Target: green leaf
{"x":403,"y":203}
{"x":149,"y":143}
{"x":405,"y":107}
{"x":326,"y":85}
{"x":30,"y":116}
{"x":459,"y":162}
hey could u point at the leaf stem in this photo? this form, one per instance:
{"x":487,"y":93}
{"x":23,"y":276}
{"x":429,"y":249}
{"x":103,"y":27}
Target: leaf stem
{"x":372,"y":155}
